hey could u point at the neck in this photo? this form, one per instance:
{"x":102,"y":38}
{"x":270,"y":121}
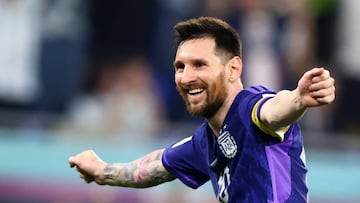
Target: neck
{"x":215,"y":122}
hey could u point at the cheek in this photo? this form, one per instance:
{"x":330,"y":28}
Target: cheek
{"x":177,"y":78}
{"x":219,"y":84}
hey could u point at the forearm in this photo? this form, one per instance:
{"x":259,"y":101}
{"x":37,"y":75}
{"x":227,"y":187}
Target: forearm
{"x":282,"y":110}
{"x":144,"y":172}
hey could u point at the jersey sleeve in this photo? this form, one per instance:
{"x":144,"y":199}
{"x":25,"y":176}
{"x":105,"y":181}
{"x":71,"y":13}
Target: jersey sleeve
{"x":263,"y":95}
{"x":184,"y":161}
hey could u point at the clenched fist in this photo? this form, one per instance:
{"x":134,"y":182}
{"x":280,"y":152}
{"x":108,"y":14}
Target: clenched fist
{"x":89,"y":165}
{"x":316,"y":87}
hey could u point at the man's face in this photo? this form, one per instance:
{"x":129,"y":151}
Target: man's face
{"x":200,"y":77}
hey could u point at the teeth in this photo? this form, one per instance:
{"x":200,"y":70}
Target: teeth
{"x":195,"y":91}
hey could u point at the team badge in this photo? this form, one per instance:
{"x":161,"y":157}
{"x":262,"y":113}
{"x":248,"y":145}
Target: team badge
{"x":227,"y":144}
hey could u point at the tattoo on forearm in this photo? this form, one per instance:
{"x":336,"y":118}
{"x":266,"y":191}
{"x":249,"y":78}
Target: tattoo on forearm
{"x":143,"y":172}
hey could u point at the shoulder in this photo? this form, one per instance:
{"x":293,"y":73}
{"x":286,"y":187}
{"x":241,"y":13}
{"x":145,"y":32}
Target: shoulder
{"x":257,"y":90}
{"x":201,"y":132}
{"x":249,"y":96}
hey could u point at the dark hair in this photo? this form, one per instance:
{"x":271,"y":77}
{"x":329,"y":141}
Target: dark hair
{"x":226,"y":38}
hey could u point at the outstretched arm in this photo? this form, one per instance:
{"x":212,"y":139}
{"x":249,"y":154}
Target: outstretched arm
{"x":315,"y":88}
{"x":144,"y":172}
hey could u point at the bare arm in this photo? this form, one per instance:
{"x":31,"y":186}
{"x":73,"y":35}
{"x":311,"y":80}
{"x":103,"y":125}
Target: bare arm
{"x":144,"y":172}
{"x":315,"y":88}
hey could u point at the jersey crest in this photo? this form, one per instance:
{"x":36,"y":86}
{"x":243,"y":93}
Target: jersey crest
{"x":227,"y":144}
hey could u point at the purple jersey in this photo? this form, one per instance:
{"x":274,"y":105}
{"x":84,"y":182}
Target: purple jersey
{"x":248,"y":162}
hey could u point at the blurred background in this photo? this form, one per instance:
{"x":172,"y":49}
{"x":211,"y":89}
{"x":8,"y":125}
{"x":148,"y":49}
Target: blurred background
{"x":91,"y":74}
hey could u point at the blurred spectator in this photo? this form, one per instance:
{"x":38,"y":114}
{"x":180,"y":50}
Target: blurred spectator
{"x":260,"y":31}
{"x":322,"y":18}
{"x":19,"y":38}
{"x":63,"y":53}
{"x":281,"y":40}
{"x":325,"y":14}
{"x":221,"y":9}
{"x":162,"y":54}
{"x":299,"y":38}
{"x":121,"y":97}
{"x":63,"y":30}
{"x":348,"y":67}
{"x":76,"y":41}
{"x":126,"y":104}
{"x":119,"y":29}
{"x":43,"y":45}
{"x":300,"y":48}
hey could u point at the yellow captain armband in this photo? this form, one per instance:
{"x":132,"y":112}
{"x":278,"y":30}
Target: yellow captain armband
{"x":256,"y":120}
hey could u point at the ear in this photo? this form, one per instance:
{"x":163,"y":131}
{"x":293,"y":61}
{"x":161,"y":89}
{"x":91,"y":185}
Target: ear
{"x":235,"y":68}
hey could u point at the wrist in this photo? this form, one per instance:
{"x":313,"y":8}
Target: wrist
{"x":100,"y":175}
{"x":298,"y":100}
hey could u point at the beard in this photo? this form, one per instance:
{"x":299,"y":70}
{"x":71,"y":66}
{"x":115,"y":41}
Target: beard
{"x":216,"y":94}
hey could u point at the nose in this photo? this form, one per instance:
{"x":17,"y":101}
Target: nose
{"x":188,"y":75}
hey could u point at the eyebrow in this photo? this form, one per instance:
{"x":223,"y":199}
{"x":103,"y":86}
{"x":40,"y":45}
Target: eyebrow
{"x":193,"y":60}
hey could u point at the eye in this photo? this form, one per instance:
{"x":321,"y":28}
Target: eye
{"x":199,"y":64}
{"x":179,"y":66}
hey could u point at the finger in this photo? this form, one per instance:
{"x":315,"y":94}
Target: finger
{"x":309,"y":75}
{"x":72,"y":162}
{"x":322,"y":84}
{"x":86,"y":178}
{"x":324,"y":75}
{"x":326,"y":100}
{"x":82,"y":171}
{"x":325,"y":92}
{"x":89,"y":179}
{"x":315,"y":72}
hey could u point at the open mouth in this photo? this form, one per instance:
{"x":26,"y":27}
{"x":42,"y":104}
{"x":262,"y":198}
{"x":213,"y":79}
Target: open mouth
{"x":195,"y":91}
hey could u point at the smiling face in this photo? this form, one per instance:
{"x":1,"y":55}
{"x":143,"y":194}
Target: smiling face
{"x":200,"y":77}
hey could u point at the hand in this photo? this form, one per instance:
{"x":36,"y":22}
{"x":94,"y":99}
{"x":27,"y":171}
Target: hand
{"x":89,"y":166}
{"x":316,"y":87}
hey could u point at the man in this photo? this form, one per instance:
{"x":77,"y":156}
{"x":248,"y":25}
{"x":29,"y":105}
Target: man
{"x":250,"y":146}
